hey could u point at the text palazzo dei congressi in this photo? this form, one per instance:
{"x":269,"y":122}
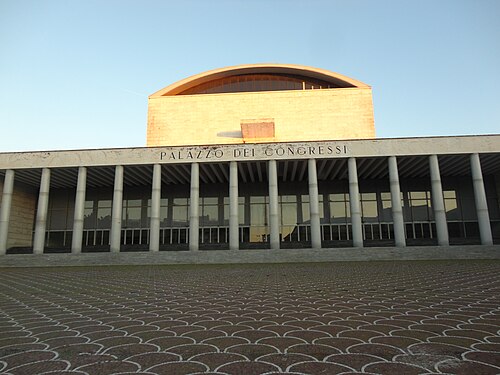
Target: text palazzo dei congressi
{"x":268,"y":151}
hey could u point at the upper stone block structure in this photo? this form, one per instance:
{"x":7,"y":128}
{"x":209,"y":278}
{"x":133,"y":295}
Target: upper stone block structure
{"x":220,"y":106}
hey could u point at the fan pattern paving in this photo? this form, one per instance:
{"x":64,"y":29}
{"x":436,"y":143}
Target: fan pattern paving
{"x":331,"y":318}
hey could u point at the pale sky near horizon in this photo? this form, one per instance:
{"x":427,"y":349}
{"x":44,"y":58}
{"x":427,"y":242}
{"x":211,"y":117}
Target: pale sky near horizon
{"x":77,"y":74}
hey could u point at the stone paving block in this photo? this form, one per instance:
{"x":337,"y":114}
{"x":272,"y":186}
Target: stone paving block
{"x":383,"y":317}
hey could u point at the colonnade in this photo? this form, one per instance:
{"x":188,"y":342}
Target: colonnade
{"x":154,"y":243}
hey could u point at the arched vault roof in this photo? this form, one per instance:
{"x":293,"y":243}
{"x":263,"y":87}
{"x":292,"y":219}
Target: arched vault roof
{"x":283,"y":69}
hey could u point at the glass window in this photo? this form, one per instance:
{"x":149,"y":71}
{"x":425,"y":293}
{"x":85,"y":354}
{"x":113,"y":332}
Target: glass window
{"x":420,"y":203}
{"x":179,"y":216}
{"x":136,"y":213}
{"x":451,"y":205}
{"x":386,"y":214}
{"x":134,"y":203}
{"x":57,"y":219}
{"x":210,"y":200}
{"x":210,"y":215}
{"x":369,"y":207}
{"x":241,"y":210}
{"x":181,"y":201}
{"x":258,"y":219}
{"x":339,"y":211}
{"x":289,"y":214}
{"x":449,"y":194}
{"x":163,"y":212}
{"x":209,"y":211}
{"x":368,"y":196}
{"x":418,"y":195}
{"x":180,"y":212}
{"x":104,"y":217}
{"x":370,"y":212}
{"x":337,"y":197}
{"x":339,"y":207}
{"x":89,"y":219}
{"x":258,"y":214}
{"x":105,"y":203}
{"x":133,"y":217}
{"x":258,"y":210}
{"x":258,"y":82}
{"x":288,"y":198}
{"x":306,"y":214}
{"x":288,"y":206}
{"x":255,"y":199}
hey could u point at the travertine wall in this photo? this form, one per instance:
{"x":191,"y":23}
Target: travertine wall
{"x":299,"y":115}
{"x":22,"y":215}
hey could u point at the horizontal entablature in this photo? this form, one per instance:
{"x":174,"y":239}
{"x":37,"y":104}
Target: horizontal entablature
{"x":253,"y":152}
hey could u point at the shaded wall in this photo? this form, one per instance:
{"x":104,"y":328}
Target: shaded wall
{"x":22,"y":215}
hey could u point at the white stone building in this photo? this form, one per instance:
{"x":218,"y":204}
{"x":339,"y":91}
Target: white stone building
{"x":255,"y":156}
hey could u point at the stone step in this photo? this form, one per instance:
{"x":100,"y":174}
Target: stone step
{"x":253,"y":256}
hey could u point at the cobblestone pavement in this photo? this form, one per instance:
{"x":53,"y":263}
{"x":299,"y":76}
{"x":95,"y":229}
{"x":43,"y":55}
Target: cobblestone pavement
{"x":331,"y":318}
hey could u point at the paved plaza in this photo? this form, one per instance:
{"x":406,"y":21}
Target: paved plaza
{"x":420,"y":317}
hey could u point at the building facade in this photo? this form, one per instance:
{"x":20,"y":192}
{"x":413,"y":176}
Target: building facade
{"x":255,"y":156}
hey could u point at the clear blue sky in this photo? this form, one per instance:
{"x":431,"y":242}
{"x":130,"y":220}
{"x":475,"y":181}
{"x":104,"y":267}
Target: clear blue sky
{"x":77,"y":74}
